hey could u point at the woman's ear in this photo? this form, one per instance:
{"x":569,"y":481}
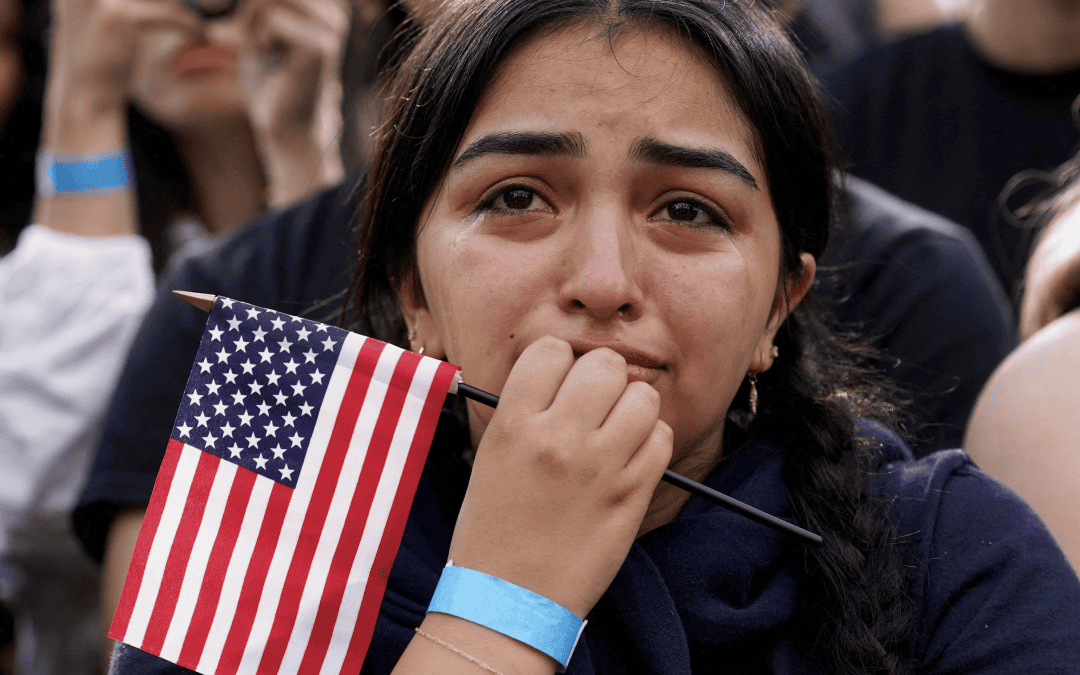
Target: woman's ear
{"x":418,"y":321}
{"x":796,"y":290}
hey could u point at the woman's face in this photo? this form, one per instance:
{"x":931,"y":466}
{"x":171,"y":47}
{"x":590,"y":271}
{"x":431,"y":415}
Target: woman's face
{"x":183,"y":80}
{"x":608,"y":198}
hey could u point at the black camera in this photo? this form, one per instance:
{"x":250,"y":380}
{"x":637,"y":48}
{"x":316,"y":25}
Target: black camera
{"x":213,"y":9}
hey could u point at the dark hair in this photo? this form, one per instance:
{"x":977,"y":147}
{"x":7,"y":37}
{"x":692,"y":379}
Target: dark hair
{"x":854,"y":616}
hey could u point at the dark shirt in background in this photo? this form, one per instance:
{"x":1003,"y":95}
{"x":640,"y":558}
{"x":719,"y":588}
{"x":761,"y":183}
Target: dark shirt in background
{"x":928,"y":119}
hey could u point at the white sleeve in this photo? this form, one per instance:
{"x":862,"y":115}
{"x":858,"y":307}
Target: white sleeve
{"x":69,"y":309}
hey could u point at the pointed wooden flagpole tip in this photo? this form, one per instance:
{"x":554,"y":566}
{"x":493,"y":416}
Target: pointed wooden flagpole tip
{"x":203,"y":301}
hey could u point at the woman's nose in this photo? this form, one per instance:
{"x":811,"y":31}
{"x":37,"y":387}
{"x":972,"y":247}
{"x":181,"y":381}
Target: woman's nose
{"x":603,"y":274}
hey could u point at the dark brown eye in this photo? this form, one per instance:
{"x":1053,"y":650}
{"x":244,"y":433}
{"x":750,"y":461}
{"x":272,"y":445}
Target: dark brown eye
{"x":684,"y":211}
{"x":518,"y":199}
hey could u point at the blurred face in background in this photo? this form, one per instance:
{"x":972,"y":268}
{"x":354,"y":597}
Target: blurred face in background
{"x":187,"y":80}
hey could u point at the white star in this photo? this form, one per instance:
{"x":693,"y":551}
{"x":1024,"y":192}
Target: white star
{"x":184,"y":429}
{"x":234,"y":324}
{"x":209,"y":440}
{"x":241,"y":344}
{"x":286,"y":473}
{"x":213,"y":387}
{"x":256,"y":388}
{"x":321,"y":327}
{"x":281,"y":398}
{"x":253,"y":441}
{"x":271,"y":429}
{"x":272,"y":378}
{"x":259,"y":333}
{"x":253,"y":313}
{"x":226,"y":302}
{"x":309,"y":356}
{"x":260,"y":462}
{"x":265,"y":354}
{"x":316,"y":377}
{"x":219,"y":408}
{"x":298,"y":389}
{"x":305,"y":409}
{"x":202,"y":419}
{"x":264,"y":409}
{"x":285,"y":345}
{"x":296,"y":440}
{"x":205,"y":365}
{"x":222,"y":355}
{"x":328,"y":344}
{"x":230,"y":376}
{"x":289,"y":418}
{"x":215,"y":333}
{"x":248,"y":366}
{"x":290,"y":367}
{"x":303,"y":334}
{"x":245,"y":418}
{"x":227,"y":430}
{"x":278,"y":323}
{"x":234,"y":450}
{"x":196,"y":397}
{"x":279,"y":452}
{"x":238,"y":398}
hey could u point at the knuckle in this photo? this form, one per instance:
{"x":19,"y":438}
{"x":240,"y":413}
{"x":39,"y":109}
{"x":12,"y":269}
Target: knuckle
{"x":552,"y":464}
{"x":552,"y":347}
{"x":648,"y":397}
{"x":610,"y":362}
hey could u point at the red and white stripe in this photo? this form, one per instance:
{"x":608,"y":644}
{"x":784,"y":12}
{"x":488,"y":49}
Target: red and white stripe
{"x":236,"y":573}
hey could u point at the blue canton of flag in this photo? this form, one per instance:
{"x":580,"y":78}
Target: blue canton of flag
{"x":256,"y":386}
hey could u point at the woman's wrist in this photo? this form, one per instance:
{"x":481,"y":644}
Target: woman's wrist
{"x":79,"y":122}
{"x":508,"y":609}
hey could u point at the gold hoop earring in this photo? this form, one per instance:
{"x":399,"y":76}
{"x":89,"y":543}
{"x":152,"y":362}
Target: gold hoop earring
{"x":753,"y":393}
{"x":775,"y":352}
{"x":411,"y":334}
{"x":420,"y":352}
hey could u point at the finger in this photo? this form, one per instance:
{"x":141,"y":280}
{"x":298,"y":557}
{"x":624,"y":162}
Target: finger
{"x":328,"y":15}
{"x":149,"y":14}
{"x":646,"y":466}
{"x":591,"y":388}
{"x":630,"y":421}
{"x":332,"y":14}
{"x":281,"y":26}
{"x":535,"y":379}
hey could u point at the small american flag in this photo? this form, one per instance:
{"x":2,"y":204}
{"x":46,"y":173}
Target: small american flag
{"x":282,"y":498}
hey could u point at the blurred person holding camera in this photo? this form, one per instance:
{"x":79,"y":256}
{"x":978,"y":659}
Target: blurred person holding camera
{"x":160,"y":120}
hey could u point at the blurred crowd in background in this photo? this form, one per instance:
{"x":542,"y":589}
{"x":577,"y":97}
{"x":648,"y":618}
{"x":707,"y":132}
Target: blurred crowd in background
{"x":967,"y":110}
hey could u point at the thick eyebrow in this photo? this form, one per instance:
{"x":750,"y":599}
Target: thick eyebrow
{"x":568,"y":144}
{"x":656,"y":152}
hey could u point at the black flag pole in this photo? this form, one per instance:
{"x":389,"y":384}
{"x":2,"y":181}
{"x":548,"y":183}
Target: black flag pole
{"x":205,"y":302}
{"x":693,"y":487}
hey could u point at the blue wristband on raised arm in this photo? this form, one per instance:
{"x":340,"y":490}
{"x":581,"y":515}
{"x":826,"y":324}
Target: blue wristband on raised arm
{"x":83,"y":174}
{"x":508,"y":609}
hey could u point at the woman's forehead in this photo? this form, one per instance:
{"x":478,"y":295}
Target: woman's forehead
{"x":670,"y":79}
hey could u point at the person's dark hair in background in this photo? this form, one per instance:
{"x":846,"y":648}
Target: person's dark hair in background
{"x":855,"y":614}
{"x":20,"y":128}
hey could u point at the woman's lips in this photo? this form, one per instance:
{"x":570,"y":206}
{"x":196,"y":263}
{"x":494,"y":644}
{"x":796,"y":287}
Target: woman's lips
{"x":640,"y":366}
{"x":203,"y":58}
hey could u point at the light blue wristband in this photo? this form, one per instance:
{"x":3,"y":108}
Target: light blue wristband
{"x":83,"y":174}
{"x":508,"y":609}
